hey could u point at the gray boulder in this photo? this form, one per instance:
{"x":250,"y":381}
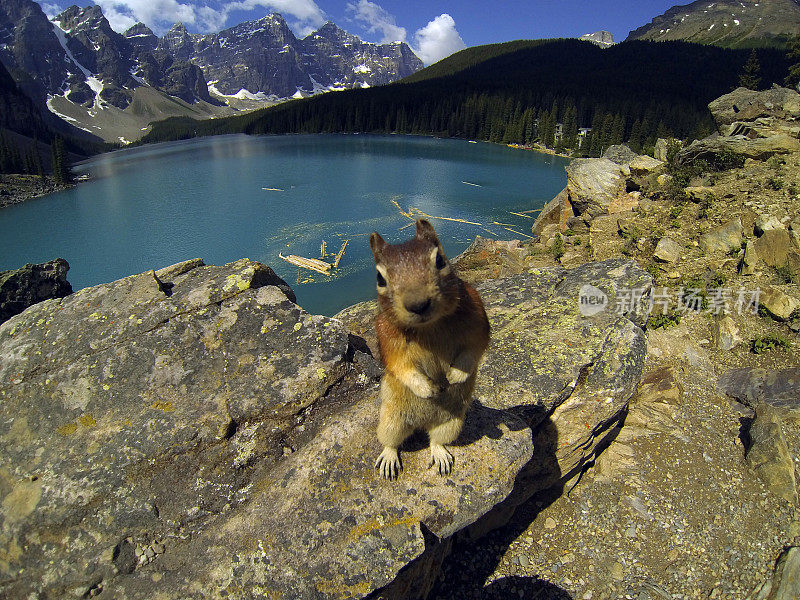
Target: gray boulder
{"x":780,"y":389}
{"x":620,"y":154}
{"x":567,"y":375}
{"x":643,"y":165}
{"x":785,"y":584}
{"x":780,"y":305}
{"x":667,"y":250}
{"x":769,"y":456}
{"x":595,"y":185}
{"x":556,"y":212}
{"x":775,"y":248}
{"x":219,"y":441}
{"x":742,"y":105}
{"x":725,"y":238}
{"x":759,"y":148}
{"x":31,"y":284}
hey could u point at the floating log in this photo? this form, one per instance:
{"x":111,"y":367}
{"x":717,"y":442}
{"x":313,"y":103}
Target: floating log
{"x":520,"y":214}
{"x":322,"y":249}
{"x":472,"y":184}
{"x":424,"y":214}
{"x":339,"y":255}
{"x":402,"y":212}
{"x":313,"y":264}
{"x":272,"y":189}
{"x":519,"y":233}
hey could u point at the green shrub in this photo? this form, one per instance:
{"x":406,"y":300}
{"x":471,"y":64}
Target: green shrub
{"x":664,"y":320}
{"x":768,"y":342}
{"x":776,"y":162}
{"x":775,"y":183}
{"x":726,"y":160}
{"x":785,"y":273}
{"x":718,"y":280}
{"x":558,"y":247}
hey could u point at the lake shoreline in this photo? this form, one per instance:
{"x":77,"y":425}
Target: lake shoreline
{"x":16,"y":189}
{"x":21,"y":188}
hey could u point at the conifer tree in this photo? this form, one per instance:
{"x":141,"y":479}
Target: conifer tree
{"x":751,"y":72}
{"x":61,"y":172}
{"x":793,"y":55}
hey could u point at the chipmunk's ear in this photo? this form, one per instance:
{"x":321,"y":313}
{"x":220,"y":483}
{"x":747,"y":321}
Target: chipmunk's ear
{"x":425,"y":231}
{"x":377,"y":244}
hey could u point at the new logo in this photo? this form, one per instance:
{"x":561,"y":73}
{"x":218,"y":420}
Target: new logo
{"x":591,"y":300}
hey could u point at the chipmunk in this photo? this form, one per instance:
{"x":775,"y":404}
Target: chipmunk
{"x":432,"y":331}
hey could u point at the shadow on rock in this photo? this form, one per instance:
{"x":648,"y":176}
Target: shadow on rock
{"x":523,"y":587}
{"x":481,"y":422}
{"x":477,"y":551}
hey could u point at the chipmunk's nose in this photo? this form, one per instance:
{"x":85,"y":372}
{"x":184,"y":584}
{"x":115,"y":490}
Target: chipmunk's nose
{"x":417,"y":306}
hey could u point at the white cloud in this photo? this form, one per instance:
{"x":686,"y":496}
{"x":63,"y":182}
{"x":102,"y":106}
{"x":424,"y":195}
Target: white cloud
{"x":159,"y":15}
{"x":375,"y":19}
{"x":437,"y":40}
{"x":51,"y":10}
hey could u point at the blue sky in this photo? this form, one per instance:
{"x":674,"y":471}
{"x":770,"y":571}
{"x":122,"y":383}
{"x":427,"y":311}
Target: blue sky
{"x":433,"y":28}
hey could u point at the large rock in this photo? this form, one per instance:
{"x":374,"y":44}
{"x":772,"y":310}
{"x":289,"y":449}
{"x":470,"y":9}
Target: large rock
{"x":780,"y":389}
{"x":726,"y":333}
{"x":487,"y":258}
{"x":725,"y":238}
{"x":760,"y":148}
{"x":775,"y":248}
{"x":556,"y":212}
{"x":567,"y":375}
{"x":743,"y":104}
{"x":31,"y":284}
{"x":596,"y":185}
{"x":620,"y":154}
{"x":769,"y":456}
{"x":218,"y":441}
{"x":668,"y":250}
{"x":643,"y":165}
{"x":749,"y":259}
{"x":780,"y":305}
{"x":785,"y":584}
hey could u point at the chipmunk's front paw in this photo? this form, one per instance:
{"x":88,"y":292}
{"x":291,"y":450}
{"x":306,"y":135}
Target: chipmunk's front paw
{"x":456,"y":375}
{"x":441,"y":459}
{"x":422,"y":386}
{"x":388,"y":463}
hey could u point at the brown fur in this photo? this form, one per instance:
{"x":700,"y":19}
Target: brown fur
{"x":432,"y":331}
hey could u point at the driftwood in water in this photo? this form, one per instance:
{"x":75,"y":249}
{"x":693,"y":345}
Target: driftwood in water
{"x":320,"y":266}
{"x":339,"y":255}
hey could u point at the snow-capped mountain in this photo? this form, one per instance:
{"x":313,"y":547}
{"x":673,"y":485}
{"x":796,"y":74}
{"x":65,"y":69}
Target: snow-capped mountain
{"x":78,"y":66}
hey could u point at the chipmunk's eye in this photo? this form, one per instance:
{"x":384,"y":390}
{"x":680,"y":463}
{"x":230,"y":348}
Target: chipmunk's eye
{"x":381,"y":280}
{"x":439,"y":261}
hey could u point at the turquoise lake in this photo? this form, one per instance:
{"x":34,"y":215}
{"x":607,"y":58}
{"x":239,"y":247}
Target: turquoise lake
{"x":154,"y":206}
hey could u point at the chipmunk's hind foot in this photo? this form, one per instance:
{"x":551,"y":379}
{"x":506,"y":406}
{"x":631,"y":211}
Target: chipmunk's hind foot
{"x":388,"y":463}
{"x":441,"y":459}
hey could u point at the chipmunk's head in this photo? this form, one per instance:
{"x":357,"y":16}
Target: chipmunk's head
{"x":416,"y":283}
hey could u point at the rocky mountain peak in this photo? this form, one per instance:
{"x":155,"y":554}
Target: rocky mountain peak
{"x":141,"y":37}
{"x":728,"y":23}
{"x":139,"y":29}
{"x":332,"y":32}
{"x":78,"y":64}
{"x":604,"y":39}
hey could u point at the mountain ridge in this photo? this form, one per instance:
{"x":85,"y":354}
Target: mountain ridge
{"x":726,"y":23}
{"x":81,"y":70}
